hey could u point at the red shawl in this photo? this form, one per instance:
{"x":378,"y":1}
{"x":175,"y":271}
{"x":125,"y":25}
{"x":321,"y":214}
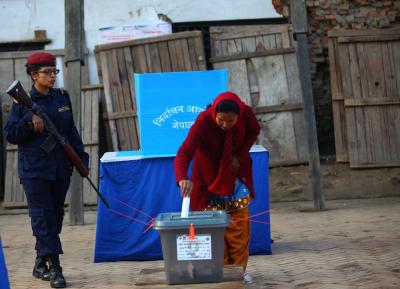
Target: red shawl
{"x":212,"y":150}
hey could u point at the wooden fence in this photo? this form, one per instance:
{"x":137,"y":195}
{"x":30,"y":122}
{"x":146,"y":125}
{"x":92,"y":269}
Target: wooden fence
{"x":263,"y":70}
{"x":117,"y":62}
{"x":365,"y":82}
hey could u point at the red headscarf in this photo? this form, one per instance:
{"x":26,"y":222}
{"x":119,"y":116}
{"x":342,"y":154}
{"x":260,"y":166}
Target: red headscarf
{"x":225,"y":181}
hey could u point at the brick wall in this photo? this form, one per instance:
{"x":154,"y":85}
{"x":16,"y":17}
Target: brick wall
{"x":324,"y":15}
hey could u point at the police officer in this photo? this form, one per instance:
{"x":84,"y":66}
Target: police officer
{"x":45,"y":176}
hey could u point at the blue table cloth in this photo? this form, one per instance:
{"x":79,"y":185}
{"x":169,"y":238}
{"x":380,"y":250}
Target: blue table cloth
{"x":3,"y":270}
{"x":130,"y":184}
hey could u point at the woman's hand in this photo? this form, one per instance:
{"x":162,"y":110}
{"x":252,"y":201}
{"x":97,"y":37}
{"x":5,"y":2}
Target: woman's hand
{"x":186,"y":187}
{"x":38,"y":125}
{"x":235,"y":164}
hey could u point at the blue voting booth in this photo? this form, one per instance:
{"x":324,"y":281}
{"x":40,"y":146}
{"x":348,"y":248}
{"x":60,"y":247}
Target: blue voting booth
{"x":3,"y":270}
{"x":167,"y":105}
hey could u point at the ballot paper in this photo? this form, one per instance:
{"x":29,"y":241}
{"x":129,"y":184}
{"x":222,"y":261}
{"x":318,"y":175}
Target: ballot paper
{"x":185,"y":207}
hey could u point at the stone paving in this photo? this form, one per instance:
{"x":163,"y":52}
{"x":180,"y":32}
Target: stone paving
{"x":353,"y":244}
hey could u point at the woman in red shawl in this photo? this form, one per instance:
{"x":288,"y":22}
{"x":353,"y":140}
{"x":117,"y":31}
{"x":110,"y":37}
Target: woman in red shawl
{"x":219,"y":143}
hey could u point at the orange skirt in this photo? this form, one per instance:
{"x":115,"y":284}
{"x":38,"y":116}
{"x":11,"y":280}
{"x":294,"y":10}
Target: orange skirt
{"x":237,"y":239}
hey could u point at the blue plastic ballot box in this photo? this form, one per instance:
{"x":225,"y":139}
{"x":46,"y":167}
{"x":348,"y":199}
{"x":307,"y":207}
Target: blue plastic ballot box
{"x":138,"y":189}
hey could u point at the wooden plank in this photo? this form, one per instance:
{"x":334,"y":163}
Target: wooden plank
{"x":279,"y":108}
{"x":389,"y":70}
{"x":241,"y":31}
{"x":108,"y":102}
{"x":376,"y":80}
{"x":20,"y":73}
{"x":94,"y":168}
{"x":339,"y":117}
{"x":378,"y":143}
{"x":14,"y":204}
{"x":119,"y":114}
{"x":356,"y":118}
{"x":372,"y":101}
{"x":24,"y":54}
{"x":9,"y":176}
{"x":192,"y":54}
{"x":130,"y":72}
{"x":395,"y":55}
{"x":132,"y":97}
{"x":295,"y":97}
{"x":201,"y":58}
{"x":7,"y":77}
{"x":391,"y":164}
{"x":340,"y":131}
{"x":262,"y":44}
{"x":125,"y":96}
{"x":149,"y":40}
{"x":114,"y":91}
{"x":86,"y":126}
{"x":363,"y":32}
{"x":185,"y":55}
{"x":237,"y":78}
{"x":249,"y":45}
{"x":278,"y":39}
{"x":173,"y":55}
{"x":139,"y":59}
{"x":371,"y":38}
{"x":234,"y":47}
{"x":92,"y":87}
{"x":148,"y":57}
{"x":333,"y":68}
{"x":91,"y":196}
{"x":272,"y":42}
{"x":394,"y":48}
{"x":179,"y":59}
{"x":253,"y":55}
{"x":286,"y":38}
{"x":164,"y":56}
{"x":274,"y":164}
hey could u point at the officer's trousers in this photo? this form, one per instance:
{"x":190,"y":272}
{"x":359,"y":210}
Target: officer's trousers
{"x":46,"y":208}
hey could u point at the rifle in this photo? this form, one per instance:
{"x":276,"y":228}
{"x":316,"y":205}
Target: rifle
{"x":19,"y":95}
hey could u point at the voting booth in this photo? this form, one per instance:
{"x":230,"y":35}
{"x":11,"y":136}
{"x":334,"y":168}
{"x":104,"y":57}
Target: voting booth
{"x":141,"y":184}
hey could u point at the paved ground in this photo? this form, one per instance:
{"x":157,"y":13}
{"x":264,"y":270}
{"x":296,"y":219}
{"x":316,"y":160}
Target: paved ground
{"x":354,"y":244}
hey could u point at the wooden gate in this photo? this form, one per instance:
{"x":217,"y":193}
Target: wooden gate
{"x":263,"y":70}
{"x":117,"y":62}
{"x":365,"y":81}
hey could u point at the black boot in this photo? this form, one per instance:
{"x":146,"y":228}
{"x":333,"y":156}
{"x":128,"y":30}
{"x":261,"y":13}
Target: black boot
{"x":40,"y":270}
{"x":57,"y":279}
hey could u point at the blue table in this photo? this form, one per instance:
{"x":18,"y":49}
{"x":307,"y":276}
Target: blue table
{"x":129,"y":182}
{"x":3,"y":270}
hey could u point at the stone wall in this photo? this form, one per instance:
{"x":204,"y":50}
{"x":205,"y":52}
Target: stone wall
{"x":324,"y":15}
